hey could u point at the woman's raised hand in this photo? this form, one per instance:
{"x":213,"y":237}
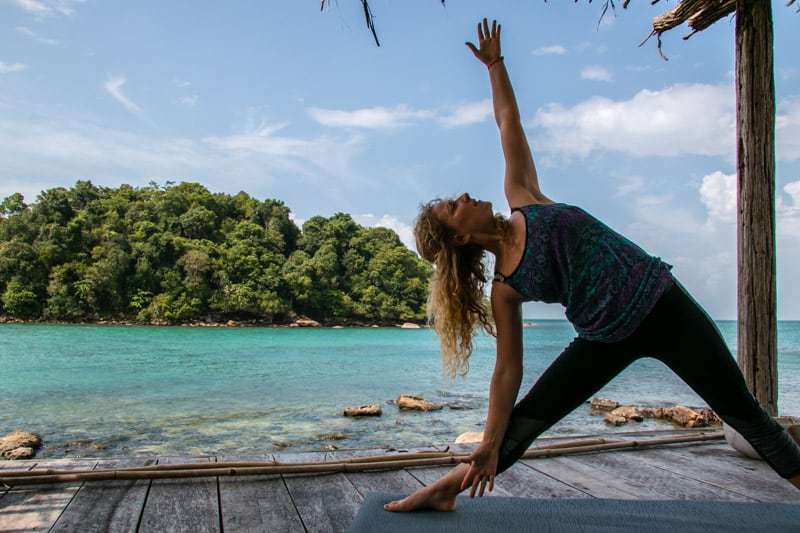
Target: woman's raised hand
{"x":488,"y":49}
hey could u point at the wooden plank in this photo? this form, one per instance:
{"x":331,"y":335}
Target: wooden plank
{"x":633,"y":466}
{"x":14,"y":466}
{"x":723,"y":473}
{"x":189,"y":505}
{"x":392,"y":481}
{"x":256,"y":503}
{"x":325,"y":502}
{"x":757,"y":471}
{"x":37,"y":507}
{"x":583,"y":476}
{"x":107,"y":505}
{"x":525,"y":482}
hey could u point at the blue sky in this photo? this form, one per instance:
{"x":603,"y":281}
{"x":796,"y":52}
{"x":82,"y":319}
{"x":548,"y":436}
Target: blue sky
{"x":283,"y":101}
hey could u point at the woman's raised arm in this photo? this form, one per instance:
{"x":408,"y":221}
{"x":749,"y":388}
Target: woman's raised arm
{"x":521,"y":181}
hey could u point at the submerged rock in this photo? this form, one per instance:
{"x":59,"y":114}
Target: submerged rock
{"x":615,"y":420}
{"x":415,"y":403}
{"x":469,"y":437}
{"x":19,"y":445}
{"x":602,"y":404}
{"x":23,"y":452}
{"x":680,"y":415}
{"x":372,"y":409}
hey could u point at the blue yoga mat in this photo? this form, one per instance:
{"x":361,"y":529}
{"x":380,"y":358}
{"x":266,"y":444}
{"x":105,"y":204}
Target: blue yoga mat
{"x":506,"y":514}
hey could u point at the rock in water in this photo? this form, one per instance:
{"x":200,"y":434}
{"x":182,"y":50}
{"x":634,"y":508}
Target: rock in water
{"x":686,"y":417}
{"x":19,"y":445}
{"x":409,"y":325}
{"x":372,"y":409}
{"x":23,"y":452}
{"x":470,"y":436}
{"x":306,"y":323}
{"x":615,"y":420}
{"x":602,"y":404}
{"x":628,"y":412}
{"x":416,"y":403}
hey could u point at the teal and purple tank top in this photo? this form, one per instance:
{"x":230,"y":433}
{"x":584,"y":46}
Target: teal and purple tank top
{"x":607,"y":283}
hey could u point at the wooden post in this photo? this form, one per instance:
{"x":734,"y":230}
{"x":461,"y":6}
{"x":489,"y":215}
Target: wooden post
{"x":755,"y":118}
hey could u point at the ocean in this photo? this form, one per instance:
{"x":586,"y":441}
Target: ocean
{"x":102,"y":391}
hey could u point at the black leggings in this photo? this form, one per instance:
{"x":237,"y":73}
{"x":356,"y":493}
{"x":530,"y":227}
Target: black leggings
{"x":677,"y":332}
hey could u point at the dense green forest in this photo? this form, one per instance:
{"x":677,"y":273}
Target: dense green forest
{"x":179,"y":253}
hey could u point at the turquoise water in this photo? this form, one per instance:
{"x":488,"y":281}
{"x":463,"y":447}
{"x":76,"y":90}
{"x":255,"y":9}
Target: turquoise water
{"x":112,"y":390}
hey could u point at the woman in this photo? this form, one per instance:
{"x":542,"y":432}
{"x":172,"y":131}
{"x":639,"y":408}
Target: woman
{"x":623,"y":303}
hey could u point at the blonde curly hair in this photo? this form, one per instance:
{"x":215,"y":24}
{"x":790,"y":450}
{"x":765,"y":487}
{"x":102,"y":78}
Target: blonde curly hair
{"x":456,"y":301}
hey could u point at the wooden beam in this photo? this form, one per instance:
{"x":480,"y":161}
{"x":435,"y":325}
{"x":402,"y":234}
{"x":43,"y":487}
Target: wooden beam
{"x":755,"y":154}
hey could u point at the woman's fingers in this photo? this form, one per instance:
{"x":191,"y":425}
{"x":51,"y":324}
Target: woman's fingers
{"x":486,"y":28}
{"x":474,"y":486}
{"x":466,"y":480}
{"x":491,"y":483}
{"x":494,"y":28}
{"x":474,"y":51}
{"x":480,"y":33}
{"x":483,"y":487}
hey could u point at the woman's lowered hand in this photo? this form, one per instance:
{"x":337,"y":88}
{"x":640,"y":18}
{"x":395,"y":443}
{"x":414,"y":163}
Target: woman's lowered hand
{"x":483,"y":466}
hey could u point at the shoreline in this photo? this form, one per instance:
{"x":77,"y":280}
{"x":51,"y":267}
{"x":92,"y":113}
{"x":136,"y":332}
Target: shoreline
{"x":300,"y":322}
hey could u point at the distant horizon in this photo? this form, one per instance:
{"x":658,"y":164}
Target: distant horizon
{"x":712,"y":318}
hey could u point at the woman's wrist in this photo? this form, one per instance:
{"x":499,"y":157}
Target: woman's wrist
{"x":494,"y":62}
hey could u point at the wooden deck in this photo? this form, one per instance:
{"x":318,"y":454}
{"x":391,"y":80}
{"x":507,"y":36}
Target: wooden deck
{"x":328,"y":502}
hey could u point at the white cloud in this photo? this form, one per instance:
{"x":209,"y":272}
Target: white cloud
{"x":555,"y":49}
{"x":189,"y":100}
{"x":401,"y":115}
{"x":702,"y":247}
{"x":681,"y":119}
{"x":114,"y":87}
{"x":52,"y":154}
{"x":787,"y":129}
{"x":788,"y":214}
{"x":6,"y":68}
{"x":35,"y":36}
{"x":48,"y":7}
{"x":183,"y":84}
{"x":596,"y":73}
{"x":718,"y":194}
{"x":403,"y":230}
{"x":630,"y":184}
{"x":370,"y":117}
{"x":297,"y":220}
{"x":470,"y":113}
{"x":788,"y":73}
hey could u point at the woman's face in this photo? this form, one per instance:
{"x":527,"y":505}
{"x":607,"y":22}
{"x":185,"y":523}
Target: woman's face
{"x":465,"y":215}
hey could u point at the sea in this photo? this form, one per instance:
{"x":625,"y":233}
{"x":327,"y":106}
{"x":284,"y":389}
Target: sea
{"x":105,"y":391}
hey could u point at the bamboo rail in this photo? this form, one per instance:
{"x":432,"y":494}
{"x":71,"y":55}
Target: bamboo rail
{"x":356,"y":464}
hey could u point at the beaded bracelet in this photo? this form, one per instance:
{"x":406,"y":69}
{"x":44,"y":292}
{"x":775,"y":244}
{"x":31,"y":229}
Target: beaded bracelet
{"x":489,"y":66}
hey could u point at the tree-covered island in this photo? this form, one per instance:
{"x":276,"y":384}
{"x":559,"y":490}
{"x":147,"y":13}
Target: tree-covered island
{"x":178,"y":253}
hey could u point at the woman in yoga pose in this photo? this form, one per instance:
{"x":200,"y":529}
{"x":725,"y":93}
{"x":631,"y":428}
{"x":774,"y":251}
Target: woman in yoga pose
{"x":623,"y":302}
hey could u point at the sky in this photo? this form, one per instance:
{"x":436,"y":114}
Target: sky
{"x":284,"y":101}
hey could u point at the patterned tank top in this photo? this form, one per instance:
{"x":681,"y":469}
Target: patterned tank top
{"x":607,"y":283}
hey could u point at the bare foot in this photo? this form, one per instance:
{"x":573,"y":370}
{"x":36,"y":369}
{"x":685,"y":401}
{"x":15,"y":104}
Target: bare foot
{"x":424,"y":498}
